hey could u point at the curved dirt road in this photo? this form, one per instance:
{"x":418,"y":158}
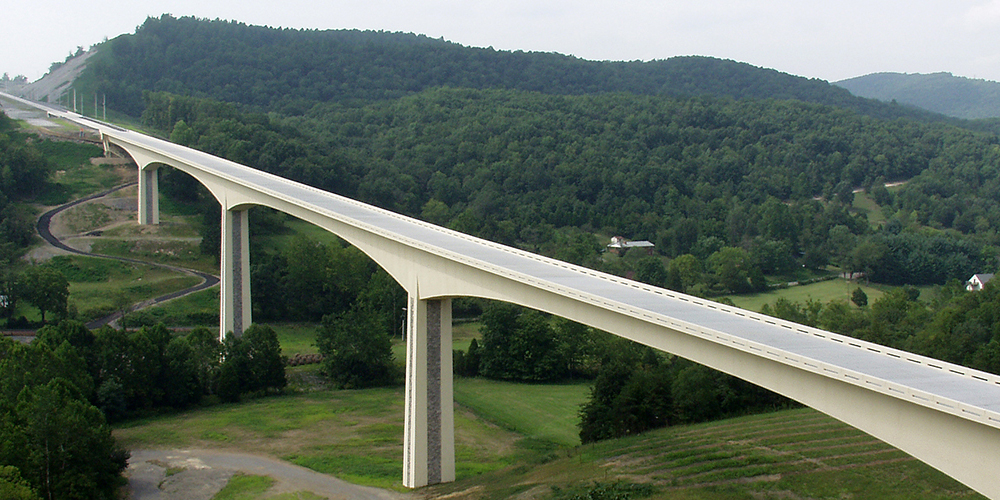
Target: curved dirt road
{"x":45,"y":232}
{"x":200,"y":474}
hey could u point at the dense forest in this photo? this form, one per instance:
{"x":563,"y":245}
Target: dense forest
{"x":696,"y":175}
{"x":289,"y":71}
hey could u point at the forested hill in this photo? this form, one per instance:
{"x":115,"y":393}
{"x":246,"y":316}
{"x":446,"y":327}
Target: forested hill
{"x":938,"y":92}
{"x":288,"y":71}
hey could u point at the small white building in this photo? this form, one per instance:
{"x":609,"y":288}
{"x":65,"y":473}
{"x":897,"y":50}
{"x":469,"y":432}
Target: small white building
{"x":977,"y":282}
{"x":619,"y":245}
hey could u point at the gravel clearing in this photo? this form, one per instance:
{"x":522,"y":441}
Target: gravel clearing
{"x":200,"y":474}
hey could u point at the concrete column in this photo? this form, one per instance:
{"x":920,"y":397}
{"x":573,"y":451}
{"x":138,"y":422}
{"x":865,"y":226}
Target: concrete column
{"x":149,"y":196}
{"x":234,"y":291}
{"x":429,"y":430}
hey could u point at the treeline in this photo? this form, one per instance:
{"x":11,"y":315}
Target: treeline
{"x":24,"y":172}
{"x":950,"y":324}
{"x":289,"y":71}
{"x":129,"y":374}
{"x":639,"y":391}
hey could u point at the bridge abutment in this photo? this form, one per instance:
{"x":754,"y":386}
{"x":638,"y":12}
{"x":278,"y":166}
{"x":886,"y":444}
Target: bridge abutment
{"x":234,"y":289}
{"x":429,"y":429}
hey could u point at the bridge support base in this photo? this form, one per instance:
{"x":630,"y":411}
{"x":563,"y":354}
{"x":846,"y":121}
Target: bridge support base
{"x":234,"y":289}
{"x":429,"y":430}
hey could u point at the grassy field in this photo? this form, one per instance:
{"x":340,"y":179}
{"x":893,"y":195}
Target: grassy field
{"x":519,"y":439}
{"x":197,"y":309}
{"x":94,"y":283}
{"x":822,"y":291}
{"x":798,"y":452}
{"x":866,"y":205}
{"x":357,"y":435}
{"x":546,"y":412}
{"x":74,"y":176}
{"x":296,"y":338}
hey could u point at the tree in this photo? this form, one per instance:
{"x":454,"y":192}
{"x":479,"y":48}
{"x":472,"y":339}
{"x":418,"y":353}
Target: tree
{"x":46,"y":288}
{"x":122,"y":303}
{"x":264,"y":360}
{"x":627,"y":398}
{"x":356,"y":350}
{"x":62,"y":445}
{"x":859,"y":297}
{"x":207,"y":356}
{"x":840,"y":243}
{"x":466,"y":364}
{"x":685,"y":271}
{"x":650,"y":270}
{"x":49,"y":430}
{"x":181,"y":384}
{"x":251,"y":363}
{"x":520,"y":344}
{"x":12,"y":485}
{"x":9,"y":287}
{"x":734,"y":269}
{"x":698,"y":393}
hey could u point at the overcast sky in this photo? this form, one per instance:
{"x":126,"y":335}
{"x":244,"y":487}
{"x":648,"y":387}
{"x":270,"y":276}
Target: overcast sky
{"x":816,"y":39}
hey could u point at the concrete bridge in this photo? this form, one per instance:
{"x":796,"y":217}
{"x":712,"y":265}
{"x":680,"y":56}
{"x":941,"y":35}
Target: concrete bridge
{"x":945,"y":415}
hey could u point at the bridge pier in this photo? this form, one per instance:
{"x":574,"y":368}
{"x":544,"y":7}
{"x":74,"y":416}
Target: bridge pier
{"x":149,"y":196}
{"x":234,"y":286}
{"x":429,"y":428}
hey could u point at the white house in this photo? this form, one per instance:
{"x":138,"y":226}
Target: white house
{"x":977,"y":282}
{"x":620,"y":245}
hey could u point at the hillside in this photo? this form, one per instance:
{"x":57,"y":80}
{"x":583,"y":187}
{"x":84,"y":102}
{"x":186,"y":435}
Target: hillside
{"x":357,"y":435}
{"x":288,"y":71}
{"x":938,"y":92}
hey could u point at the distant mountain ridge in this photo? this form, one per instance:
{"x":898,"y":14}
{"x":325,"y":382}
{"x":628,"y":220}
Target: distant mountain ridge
{"x":288,"y":71}
{"x":943,"y":93}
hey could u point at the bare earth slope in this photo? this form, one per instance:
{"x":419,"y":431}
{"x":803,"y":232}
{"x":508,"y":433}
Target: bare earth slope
{"x":51,"y":87}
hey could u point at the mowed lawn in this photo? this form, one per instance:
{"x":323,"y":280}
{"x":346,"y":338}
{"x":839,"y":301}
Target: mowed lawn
{"x":548,"y":412}
{"x":822,"y":291}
